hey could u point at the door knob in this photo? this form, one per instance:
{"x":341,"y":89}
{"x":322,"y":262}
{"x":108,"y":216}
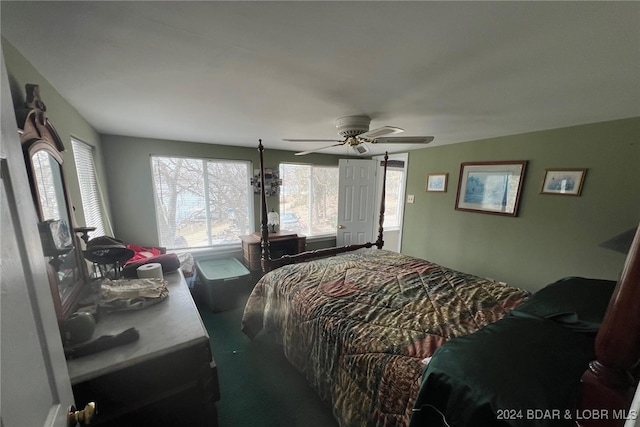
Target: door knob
{"x":83,"y":417}
{"x":341,"y":227}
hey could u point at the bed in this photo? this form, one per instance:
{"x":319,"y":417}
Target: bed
{"x":359,"y":325}
{"x":391,"y":340}
{"x":524,"y":369}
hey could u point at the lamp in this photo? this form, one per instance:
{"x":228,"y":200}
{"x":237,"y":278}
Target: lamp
{"x":620,"y":243}
{"x":273,"y":219}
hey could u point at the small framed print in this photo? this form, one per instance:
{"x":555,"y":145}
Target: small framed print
{"x":437,"y":182}
{"x":564,"y":182}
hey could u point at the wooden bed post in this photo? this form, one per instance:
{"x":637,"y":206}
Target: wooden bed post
{"x":264,"y":230}
{"x":265,"y":257}
{"x":608,"y":384}
{"x":380,"y":241}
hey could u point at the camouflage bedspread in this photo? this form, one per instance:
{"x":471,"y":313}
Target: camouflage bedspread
{"x":359,"y":325}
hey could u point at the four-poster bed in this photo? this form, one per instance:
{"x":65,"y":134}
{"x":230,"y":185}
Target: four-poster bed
{"x":268,"y":263}
{"x":393,"y":340}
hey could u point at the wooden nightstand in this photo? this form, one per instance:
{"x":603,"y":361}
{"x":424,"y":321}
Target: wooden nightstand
{"x":282,"y":243}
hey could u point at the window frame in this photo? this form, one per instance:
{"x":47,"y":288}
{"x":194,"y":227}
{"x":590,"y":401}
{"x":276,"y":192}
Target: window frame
{"x":205,"y":160}
{"x":321,"y":236}
{"x":400,"y":200}
{"x":90,"y":193}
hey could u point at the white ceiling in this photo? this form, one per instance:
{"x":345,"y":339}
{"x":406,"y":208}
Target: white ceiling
{"x":232,"y":72}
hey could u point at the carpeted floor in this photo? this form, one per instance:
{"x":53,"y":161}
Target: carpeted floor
{"x":258,"y":386}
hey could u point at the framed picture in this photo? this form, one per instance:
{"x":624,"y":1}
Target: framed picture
{"x":490,"y":187}
{"x":566,"y":182}
{"x":437,"y":182}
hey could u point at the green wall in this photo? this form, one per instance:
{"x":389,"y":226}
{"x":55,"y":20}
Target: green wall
{"x":552,"y":236}
{"x":66,"y":119}
{"x":128,"y":167}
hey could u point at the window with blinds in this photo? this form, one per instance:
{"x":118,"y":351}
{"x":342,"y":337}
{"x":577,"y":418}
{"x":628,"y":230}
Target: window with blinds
{"x":89,"y":190}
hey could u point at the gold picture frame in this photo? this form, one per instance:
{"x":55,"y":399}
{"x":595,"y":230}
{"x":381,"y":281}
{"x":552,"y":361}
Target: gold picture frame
{"x":563,"y":182}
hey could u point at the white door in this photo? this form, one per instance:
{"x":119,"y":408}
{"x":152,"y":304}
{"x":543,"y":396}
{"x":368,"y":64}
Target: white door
{"x":356,"y":201}
{"x":34,"y":381}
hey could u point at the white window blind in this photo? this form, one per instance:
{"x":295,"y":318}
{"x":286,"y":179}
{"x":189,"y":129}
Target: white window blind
{"x":89,"y":190}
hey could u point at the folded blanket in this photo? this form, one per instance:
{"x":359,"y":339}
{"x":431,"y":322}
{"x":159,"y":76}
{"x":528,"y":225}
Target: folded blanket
{"x":133,"y":294}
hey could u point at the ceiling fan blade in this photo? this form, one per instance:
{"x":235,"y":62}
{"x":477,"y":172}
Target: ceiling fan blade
{"x":384,"y":130}
{"x":404,"y":140}
{"x":313,"y":140}
{"x":302,"y":153}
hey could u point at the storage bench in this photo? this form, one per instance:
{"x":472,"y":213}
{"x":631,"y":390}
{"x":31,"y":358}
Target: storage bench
{"x":222,"y":283}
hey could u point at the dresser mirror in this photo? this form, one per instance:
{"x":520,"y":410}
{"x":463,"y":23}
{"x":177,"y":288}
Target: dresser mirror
{"x":42,"y":148}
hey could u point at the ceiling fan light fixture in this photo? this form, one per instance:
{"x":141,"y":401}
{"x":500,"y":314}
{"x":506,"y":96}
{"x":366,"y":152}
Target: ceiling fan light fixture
{"x":360,"y":149}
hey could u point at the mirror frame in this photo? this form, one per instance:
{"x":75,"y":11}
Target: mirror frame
{"x":38,"y":134}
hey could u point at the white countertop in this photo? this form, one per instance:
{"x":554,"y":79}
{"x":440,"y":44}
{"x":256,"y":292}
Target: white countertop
{"x":167,"y":326}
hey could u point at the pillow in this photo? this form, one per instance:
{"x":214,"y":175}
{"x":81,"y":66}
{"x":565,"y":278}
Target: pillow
{"x":572,"y":300}
{"x":169,"y":263}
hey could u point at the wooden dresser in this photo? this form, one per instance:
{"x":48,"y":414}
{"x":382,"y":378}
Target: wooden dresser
{"x":282,"y":243}
{"x":167,"y":378}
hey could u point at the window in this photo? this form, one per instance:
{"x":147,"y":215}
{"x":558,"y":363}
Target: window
{"x":201,"y":202}
{"x":89,"y":190}
{"x":309,"y":199}
{"x":394,"y":195}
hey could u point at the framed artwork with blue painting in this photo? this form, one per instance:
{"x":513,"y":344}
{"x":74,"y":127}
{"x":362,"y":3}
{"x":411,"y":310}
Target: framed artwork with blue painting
{"x":437,"y":182}
{"x":565,"y":182}
{"x":491,"y":187}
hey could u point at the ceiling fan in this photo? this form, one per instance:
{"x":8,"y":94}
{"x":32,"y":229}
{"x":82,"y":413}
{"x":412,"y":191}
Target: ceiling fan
{"x":355,"y":131}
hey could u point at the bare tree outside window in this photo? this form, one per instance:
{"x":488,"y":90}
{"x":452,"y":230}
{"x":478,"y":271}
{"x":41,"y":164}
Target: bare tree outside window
{"x":201,"y":202}
{"x":309,"y":199}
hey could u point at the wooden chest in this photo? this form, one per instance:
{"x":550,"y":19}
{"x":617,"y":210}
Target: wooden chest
{"x":281,"y":243}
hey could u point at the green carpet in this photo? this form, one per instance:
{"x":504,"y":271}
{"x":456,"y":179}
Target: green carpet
{"x":258,"y":386}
